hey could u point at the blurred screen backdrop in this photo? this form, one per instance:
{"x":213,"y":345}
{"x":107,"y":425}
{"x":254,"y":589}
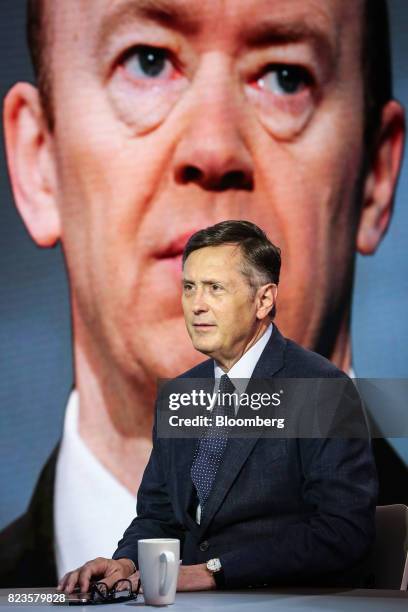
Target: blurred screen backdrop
{"x":35,"y":335}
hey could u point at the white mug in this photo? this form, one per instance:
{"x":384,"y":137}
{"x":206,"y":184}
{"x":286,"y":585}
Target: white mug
{"x":159,"y":561}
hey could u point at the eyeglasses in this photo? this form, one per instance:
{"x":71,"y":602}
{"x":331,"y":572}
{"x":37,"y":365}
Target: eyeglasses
{"x":119,"y":592}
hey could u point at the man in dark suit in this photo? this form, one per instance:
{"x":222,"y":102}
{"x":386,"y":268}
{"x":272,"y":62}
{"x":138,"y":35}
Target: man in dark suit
{"x":259,"y":511}
{"x":215,"y":165}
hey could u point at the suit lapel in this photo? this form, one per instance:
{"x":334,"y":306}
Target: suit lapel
{"x":238,"y":450}
{"x":202,"y":377}
{"x":236,"y":453}
{"x":272,"y":357}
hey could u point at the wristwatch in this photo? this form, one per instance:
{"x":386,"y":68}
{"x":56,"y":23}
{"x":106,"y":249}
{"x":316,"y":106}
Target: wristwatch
{"x":215,"y":568}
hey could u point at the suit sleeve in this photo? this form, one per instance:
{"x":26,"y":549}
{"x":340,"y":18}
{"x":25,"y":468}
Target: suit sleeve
{"x":340,"y":488}
{"x":155,"y":517}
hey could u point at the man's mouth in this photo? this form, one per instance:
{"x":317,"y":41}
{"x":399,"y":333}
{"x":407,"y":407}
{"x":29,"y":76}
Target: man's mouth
{"x":203,"y":325}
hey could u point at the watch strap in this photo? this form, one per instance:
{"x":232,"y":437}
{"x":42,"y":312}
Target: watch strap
{"x":219,"y":578}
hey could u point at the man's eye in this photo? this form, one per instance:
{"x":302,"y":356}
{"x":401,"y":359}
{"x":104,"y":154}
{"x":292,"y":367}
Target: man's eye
{"x":215,"y":287}
{"x":285,"y":80}
{"x":147,"y":62}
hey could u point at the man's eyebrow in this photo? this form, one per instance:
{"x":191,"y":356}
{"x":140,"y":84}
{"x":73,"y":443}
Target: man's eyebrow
{"x":211,"y":281}
{"x":167,"y":13}
{"x":274,"y":32}
{"x":206,"y":281}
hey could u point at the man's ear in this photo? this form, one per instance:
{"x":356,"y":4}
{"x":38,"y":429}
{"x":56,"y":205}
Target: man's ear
{"x":381,"y":179}
{"x":266,"y":300}
{"x":31,"y":163}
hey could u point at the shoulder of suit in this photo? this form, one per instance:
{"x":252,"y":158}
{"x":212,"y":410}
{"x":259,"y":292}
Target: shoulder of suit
{"x":199,"y":371}
{"x":307,"y":363}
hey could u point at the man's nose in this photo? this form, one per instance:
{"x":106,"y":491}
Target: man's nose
{"x":199,"y":303}
{"x":211,"y":151}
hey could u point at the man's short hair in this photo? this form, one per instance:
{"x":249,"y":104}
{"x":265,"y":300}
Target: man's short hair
{"x":376,"y":59}
{"x":261,"y":259}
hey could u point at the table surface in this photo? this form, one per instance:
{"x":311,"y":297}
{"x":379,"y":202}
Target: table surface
{"x":282,"y":600}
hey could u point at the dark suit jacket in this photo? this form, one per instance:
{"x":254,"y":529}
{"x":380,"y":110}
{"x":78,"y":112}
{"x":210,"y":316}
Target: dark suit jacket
{"x":281,"y":511}
{"x":27,"y":556}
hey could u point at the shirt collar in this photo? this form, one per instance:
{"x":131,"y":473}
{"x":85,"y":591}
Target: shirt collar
{"x":244,"y":367}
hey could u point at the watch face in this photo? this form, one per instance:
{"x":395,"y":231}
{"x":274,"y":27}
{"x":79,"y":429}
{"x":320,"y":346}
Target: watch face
{"x":214,"y":565}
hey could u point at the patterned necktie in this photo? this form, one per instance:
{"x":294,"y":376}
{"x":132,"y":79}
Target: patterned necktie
{"x":211,"y":446}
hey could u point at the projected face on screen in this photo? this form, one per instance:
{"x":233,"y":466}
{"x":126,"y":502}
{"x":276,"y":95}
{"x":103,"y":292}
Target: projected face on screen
{"x":170,"y":116}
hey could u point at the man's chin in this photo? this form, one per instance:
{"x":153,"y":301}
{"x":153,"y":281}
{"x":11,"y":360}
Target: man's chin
{"x":204,"y":345}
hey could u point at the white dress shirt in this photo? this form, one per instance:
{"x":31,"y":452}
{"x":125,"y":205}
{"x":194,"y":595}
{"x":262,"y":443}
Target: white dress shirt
{"x":91,"y":508}
{"x":242,"y":370}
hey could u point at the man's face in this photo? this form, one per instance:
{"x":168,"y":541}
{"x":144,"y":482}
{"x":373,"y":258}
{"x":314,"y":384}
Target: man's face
{"x":218,"y":303}
{"x":172,"y":116}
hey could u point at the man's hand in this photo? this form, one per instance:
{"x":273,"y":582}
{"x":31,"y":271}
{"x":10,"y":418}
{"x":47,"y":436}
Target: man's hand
{"x":108,"y":570}
{"x":195,"y":578}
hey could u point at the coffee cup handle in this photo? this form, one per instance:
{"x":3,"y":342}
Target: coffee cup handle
{"x":167,"y":558}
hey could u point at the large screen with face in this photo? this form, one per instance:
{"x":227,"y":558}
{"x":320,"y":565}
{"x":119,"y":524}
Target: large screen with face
{"x":130,"y":125}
